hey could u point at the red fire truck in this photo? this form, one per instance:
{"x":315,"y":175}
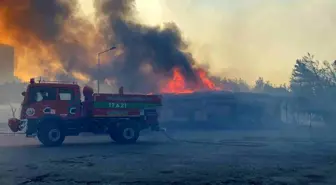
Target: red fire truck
{"x":53,"y":110}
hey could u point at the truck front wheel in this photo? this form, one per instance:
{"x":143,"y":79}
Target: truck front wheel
{"x":126,"y":133}
{"x":50,"y":134}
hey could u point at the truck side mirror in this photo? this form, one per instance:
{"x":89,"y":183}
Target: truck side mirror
{"x":23,"y":93}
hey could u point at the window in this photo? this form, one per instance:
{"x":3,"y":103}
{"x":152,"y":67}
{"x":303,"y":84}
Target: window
{"x":66,"y":94}
{"x":38,"y":94}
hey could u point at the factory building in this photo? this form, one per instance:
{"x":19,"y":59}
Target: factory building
{"x":7,"y":63}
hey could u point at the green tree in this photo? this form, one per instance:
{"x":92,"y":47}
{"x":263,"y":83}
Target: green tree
{"x":235,"y":85}
{"x":262,"y":86}
{"x":316,"y":82}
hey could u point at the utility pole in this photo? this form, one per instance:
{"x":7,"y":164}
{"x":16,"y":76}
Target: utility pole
{"x":98,"y":66}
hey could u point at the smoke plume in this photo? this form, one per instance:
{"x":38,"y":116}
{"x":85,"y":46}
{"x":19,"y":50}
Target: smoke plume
{"x":49,"y":38}
{"x":52,"y":39}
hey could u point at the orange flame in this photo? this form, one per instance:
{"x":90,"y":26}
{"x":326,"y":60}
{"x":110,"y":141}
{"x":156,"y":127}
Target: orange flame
{"x":210,"y":85}
{"x":178,"y":85}
{"x":37,"y":57}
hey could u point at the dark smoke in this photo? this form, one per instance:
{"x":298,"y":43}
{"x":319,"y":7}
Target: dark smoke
{"x":163,"y":49}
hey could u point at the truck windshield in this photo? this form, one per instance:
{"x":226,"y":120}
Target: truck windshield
{"x":38,"y":94}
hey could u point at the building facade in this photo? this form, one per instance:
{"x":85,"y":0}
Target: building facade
{"x":7,"y":62}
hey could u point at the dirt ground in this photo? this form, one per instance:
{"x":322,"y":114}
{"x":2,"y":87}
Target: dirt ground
{"x":211,"y":157}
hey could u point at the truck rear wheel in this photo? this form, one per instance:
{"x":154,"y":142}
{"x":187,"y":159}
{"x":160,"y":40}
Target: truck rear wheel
{"x":125,"y":133}
{"x":50,"y":134}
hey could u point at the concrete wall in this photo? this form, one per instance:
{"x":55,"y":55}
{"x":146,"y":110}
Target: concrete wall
{"x":290,"y":115}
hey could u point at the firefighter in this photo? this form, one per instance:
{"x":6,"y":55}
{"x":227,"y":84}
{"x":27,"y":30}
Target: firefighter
{"x":88,"y":101}
{"x":88,"y":92}
{"x":121,"y":90}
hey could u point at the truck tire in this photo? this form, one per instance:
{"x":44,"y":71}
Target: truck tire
{"x":51,"y":134}
{"x":126,"y":133}
{"x":113,"y":135}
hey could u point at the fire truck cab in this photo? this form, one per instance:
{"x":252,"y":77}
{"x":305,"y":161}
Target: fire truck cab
{"x":53,"y":110}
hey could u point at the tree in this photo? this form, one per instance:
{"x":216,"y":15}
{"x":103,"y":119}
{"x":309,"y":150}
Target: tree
{"x":262,"y":86}
{"x":306,"y":76}
{"x":235,"y":85}
{"x":316,"y":82}
{"x":259,"y":85}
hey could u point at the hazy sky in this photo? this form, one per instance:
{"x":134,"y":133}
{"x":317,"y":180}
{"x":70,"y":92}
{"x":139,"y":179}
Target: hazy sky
{"x":249,"y":38}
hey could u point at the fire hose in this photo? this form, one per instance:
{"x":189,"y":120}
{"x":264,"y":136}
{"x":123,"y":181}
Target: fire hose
{"x":164,"y":132}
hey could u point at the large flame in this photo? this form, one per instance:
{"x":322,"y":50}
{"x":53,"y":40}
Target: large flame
{"x":37,"y":53}
{"x":206,"y":82}
{"x":179,"y":85}
{"x":32,"y":49}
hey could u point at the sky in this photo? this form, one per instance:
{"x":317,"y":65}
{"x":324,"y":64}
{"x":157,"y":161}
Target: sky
{"x":248,"y":38}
